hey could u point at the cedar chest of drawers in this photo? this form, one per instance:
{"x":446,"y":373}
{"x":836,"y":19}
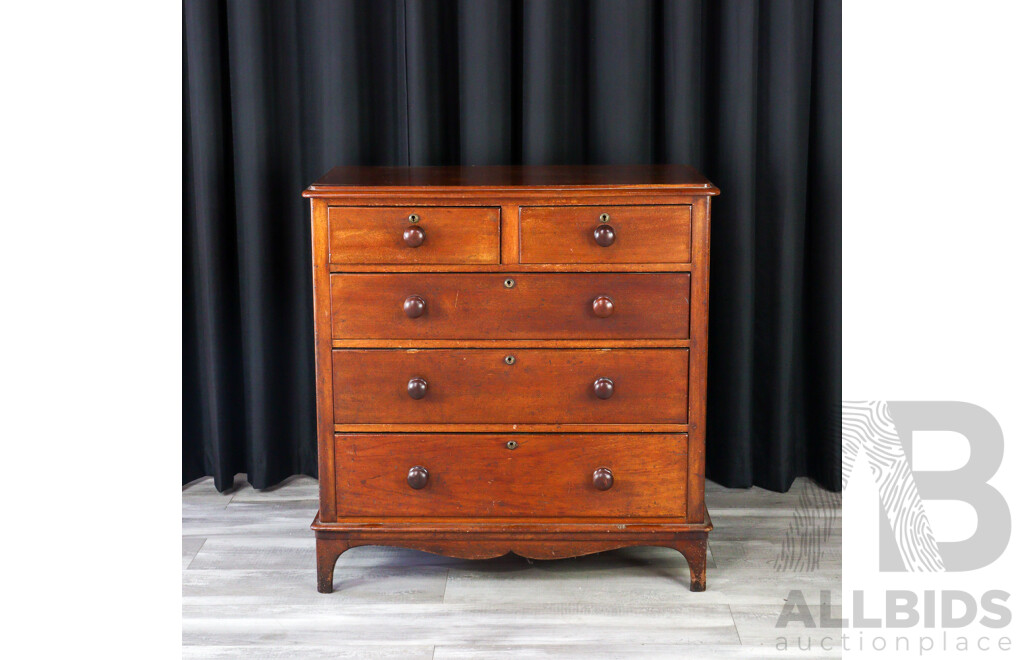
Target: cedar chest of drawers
{"x":511,"y":359}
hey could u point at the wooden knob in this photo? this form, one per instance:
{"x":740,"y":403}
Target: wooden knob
{"x":418,"y":388}
{"x":418,"y":476}
{"x":603,"y":479}
{"x":603,"y":306}
{"x":604,"y":235}
{"x":414,"y":236}
{"x":414,"y":307}
{"x":603,"y":388}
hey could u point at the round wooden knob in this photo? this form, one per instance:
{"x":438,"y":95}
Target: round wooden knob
{"x":414,"y":236}
{"x":414,"y":307}
{"x":418,"y":476}
{"x":603,"y":479}
{"x":603,"y":306}
{"x":418,"y":388}
{"x":604,"y":235}
{"x":603,"y":388}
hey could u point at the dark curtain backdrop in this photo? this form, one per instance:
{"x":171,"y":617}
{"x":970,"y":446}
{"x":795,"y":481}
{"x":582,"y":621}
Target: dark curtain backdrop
{"x":276,"y":93}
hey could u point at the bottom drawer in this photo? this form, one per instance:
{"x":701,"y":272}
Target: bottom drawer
{"x":511,"y":475}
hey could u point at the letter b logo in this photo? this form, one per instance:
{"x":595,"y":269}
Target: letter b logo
{"x":884,"y":431}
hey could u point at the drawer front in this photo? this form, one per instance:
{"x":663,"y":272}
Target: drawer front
{"x":633,"y":234}
{"x":510,"y":386}
{"x":511,"y":305}
{"x":440,"y":235}
{"x":479,"y":475}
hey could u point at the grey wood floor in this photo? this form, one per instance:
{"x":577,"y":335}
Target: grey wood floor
{"x":249,"y":587}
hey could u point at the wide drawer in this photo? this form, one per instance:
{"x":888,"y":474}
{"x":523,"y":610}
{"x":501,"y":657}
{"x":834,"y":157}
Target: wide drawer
{"x":510,"y":386}
{"x":516,"y":305}
{"x":604,"y":234}
{"x":439,"y":235}
{"x":511,"y":475}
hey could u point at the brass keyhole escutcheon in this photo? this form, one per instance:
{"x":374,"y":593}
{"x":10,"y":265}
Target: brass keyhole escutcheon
{"x":604,"y":217}
{"x":510,"y":359}
{"x":413,"y":217}
{"x":509,"y":283}
{"x":511,"y":444}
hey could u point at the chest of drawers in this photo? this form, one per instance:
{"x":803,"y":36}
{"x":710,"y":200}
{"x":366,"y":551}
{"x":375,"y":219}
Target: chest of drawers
{"x":511,"y":359}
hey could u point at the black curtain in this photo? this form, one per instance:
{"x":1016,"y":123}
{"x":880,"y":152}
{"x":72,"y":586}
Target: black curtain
{"x":276,"y":93}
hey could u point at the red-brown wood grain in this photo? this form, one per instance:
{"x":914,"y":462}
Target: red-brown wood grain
{"x":639,"y":234}
{"x":477,"y":226}
{"x":467,"y":386}
{"x":699,"y":364}
{"x":536,"y":538}
{"x":509,"y":178}
{"x":536,"y":306}
{"x":451,"y":235}
{"x":542,"y":475}
{"x":322,"y":345}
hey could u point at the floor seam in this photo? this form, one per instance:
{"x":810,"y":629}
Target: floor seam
{"x":736,"y":628}
{"x":198,"y":550}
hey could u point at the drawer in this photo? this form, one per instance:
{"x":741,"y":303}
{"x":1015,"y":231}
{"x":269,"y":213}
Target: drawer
{"x":632,"y":234}
{"x":510,"y":305}
{"x":479,"y":475}
{"x":440,"y":235}
{"x":510,"y":386}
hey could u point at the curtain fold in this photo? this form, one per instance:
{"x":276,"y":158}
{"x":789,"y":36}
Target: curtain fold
{"x":276,"y":93}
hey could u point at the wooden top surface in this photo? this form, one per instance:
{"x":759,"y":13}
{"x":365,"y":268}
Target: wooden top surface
{"x":500,"y":177}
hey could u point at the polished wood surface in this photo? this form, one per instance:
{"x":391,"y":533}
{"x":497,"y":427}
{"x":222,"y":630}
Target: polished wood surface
{"x":511,"y":306}
{"x":699,"y":364}
{"x":512,"y":177}
{"x":417,"y":478}
{"x":506,"y":268}
{"x":517,"y":427}
{"x":322,"y":345}
{"x":464,"y":386}
{"x":536,"y":306}
{"x":416,"y":388}
{"x":604,"y":234}
{"x":540,"y":475}
{"x":604,"y":306}
{"x":412,"y":306}
{"x":510,"y":343}
{"x":603,"y":479}
{"x":414,"y":236}
{"x":535,"y":538}
{"x":440,"y":235}
{"x":604,"y":388}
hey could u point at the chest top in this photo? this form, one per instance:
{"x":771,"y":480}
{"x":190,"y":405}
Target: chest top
{"x":503,"y":177}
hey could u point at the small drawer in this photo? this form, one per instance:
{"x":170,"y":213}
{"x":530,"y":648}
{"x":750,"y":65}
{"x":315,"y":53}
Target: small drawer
{"x":414,"y":235}
{"x":510,"y":305}
{"x":510,"y":386}
{"x":511,"y":475}
{"x":604,"y":234}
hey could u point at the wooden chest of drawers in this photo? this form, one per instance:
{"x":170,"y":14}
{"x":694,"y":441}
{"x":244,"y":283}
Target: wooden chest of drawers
{"x":511,"y":359}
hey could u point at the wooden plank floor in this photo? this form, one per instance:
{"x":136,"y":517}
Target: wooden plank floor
{"x":249,"y":587}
